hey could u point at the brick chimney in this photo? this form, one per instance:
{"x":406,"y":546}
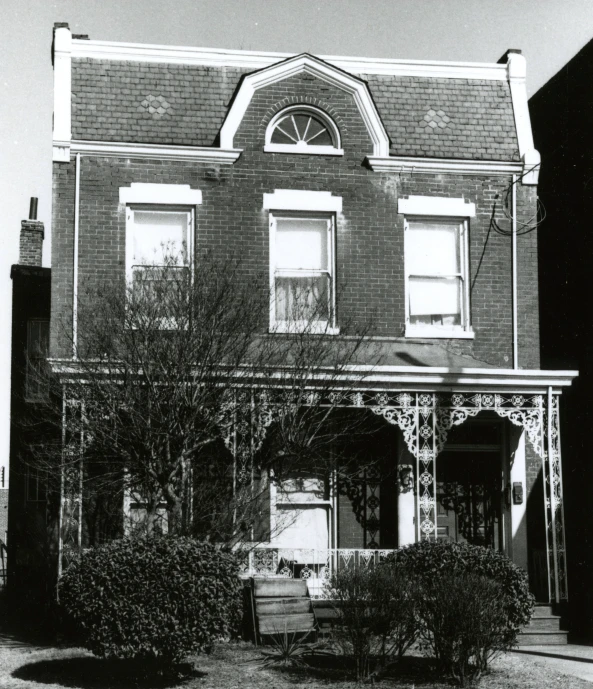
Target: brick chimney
{"x":32,"y":234}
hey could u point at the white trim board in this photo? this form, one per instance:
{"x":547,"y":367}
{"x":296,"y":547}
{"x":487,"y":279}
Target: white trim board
{"x":380,"y":377}
{"x":447,"y":165}
{"x":166,"y":194}
{"x":110,"y":149}
{"x":256,"y":59}
{"x":302,"y":200}
{"x":436,"y":205}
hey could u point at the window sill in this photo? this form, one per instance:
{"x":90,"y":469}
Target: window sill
{"x":311,"y":328}
{"x":303,"y":503}
{"x":306,"y":150}
{"x":435,"y":332}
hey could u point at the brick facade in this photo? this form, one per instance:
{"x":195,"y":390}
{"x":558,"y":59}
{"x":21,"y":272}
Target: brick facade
{"x":431,"y":118}
{"x":370,"y":258}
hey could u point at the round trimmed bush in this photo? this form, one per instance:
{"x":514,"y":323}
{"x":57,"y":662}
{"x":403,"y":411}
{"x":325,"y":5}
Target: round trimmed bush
{"x":429,"y":559}
{"x":152,"y":598}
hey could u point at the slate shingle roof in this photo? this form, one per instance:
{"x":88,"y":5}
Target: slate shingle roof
{"x":186,"y":104}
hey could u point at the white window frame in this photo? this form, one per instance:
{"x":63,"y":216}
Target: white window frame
{"x":158,"y":208}
{"x":167,"y":323}
{"x":319,"y":327}
{"x":302,"y":147}
{"x":464,"y":330}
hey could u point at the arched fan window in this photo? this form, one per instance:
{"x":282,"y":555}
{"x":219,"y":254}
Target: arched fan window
{"x":303,"y":130}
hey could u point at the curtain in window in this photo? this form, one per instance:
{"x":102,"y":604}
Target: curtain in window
{"x":434,"y":270}
{"x":160,"y":238}
{"x":302,"y":281}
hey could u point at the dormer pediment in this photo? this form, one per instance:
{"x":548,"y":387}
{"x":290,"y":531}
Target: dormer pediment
{"x":320,"y":69}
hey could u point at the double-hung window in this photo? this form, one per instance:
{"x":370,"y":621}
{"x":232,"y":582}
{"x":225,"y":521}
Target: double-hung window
{"x":437,"y":267}
{"x":158,"y":249}
{"x":302,"y":270}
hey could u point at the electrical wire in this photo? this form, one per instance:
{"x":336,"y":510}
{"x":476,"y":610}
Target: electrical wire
{"x":522,"y":227}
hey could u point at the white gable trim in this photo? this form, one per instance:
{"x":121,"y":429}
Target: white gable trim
{"x":310,"y":65}
{"x":300,"y":200}
{"x":165,"y":194}
{"x":257,"y":59}
{"x":436,"y":205}
{"x":517,"y":74}
{"x":62,"y":133}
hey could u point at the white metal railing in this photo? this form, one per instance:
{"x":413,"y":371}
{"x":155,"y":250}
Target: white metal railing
{"x":314,"y":565}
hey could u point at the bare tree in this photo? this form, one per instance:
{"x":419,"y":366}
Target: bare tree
{"x":179,"y":399}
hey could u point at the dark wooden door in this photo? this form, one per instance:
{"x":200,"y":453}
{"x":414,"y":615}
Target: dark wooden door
{"x":469,"y":497}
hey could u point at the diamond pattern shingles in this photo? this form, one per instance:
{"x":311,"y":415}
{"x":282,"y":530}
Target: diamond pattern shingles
{"x":108,"y":101}
{"x":481,"y":123}
{"x":443,"y":118}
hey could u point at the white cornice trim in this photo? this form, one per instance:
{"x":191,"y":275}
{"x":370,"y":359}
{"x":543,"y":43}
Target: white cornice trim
{"x":62,"y":131}
{"x":253,"y":59}
{"x":517,"y":75}
{"x":168,"y":194}
{"x":534,"y":381}
{"x":302,"y":200}
{"x":197,"y":154}
{"x":443,"y":165}
{"x":436,"y":205}
{"x":310,"y":65}
{"x":370,"y":377}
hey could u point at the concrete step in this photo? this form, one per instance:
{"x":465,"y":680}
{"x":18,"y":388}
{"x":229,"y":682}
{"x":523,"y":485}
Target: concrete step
{"x":542,"y":610}
{"x":278,"y":624}
{"x":542,"y":638}
{"x":543,"y":624}
{"x":280,"y":588}
{"x":282,"y":606}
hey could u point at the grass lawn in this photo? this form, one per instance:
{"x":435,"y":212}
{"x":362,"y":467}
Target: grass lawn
{"x":231,"y":666}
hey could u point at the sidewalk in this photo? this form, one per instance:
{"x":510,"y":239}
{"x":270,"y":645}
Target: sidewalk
{"x":571,"y":659}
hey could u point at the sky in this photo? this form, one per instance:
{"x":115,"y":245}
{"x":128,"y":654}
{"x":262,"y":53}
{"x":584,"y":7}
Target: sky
{"x":549,"y":32}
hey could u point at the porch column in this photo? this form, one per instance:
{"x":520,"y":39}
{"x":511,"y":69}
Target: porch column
{"x":406,"y":503}
{"x":518,"y":510}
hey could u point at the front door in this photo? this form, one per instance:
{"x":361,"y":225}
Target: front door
{"x":469,"y":486}
{"x":468,"y":498}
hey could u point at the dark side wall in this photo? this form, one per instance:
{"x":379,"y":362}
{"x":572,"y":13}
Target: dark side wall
{"x":27,"y":519}
{"x":561,"y":118}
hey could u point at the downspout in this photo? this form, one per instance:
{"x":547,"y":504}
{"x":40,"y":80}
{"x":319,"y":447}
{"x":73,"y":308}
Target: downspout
{"x":514,"y":272}
{"x":75,"y":259}
{"x":62,"y":485}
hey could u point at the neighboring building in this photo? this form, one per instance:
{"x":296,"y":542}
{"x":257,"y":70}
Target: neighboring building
{"x":391,"y":177}
{"x":29,"y":542}
{"x":561,"y":112}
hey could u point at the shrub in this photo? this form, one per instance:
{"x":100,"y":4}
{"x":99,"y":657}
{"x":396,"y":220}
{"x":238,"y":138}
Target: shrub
{"x":426,"y":560}
{"x":152,"y":598}
{"x":393,"y":598}
{"x":375,"y":610}
{"x":462,"y":622}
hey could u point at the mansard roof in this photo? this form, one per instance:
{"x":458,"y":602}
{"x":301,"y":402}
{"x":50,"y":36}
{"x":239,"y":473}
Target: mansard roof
{"x":189,"y":96}
{"x":423,"y":116}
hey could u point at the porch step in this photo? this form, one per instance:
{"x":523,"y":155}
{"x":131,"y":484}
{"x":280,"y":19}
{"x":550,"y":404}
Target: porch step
{"x":543,"y":629}
{"x":278,"y":624}
{"x":558,"y":638}
{"x":542,"y":610}
{"x":543,"y":624}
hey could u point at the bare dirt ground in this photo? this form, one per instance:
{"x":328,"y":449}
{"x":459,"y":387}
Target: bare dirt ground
{"x":233,"y":665}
